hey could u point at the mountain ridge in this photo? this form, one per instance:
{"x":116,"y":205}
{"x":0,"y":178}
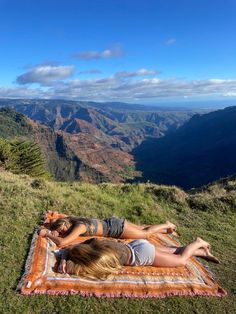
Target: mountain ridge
{"x":70,"y":156}
{"x":201,"y":151}
{"x":127,"y":127}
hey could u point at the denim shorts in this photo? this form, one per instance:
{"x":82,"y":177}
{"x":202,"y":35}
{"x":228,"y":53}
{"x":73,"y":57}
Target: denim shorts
{"x":143,"y":252}
{"x":113,"y":227}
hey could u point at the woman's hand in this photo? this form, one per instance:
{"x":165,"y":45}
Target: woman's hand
{"x":62,"y":266}
{"x":43,"y":232}
{"x":55,"y":233}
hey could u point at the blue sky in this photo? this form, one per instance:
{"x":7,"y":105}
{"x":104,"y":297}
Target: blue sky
{"x":135,"y":51}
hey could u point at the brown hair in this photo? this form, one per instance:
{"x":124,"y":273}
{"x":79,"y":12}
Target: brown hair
{"x":69,"y":221}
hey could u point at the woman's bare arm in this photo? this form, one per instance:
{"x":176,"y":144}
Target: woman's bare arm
{"x":60,"y":242}
{"x":63,"y":257}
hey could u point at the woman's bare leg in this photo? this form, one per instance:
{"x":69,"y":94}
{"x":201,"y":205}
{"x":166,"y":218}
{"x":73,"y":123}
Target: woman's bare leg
{"x":132,"y":231}
{"x":204,"y":253}
{"x":179,"y":250}
{"x":140,"y":227}
{"x":164,"y":259}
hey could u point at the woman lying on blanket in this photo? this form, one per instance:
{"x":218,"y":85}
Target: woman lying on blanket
{"x":66,"y":230}
{"x":97,"y":259}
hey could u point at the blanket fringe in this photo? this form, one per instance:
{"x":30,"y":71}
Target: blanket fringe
{"x":220,"y":293}
{"x":28,"y":261}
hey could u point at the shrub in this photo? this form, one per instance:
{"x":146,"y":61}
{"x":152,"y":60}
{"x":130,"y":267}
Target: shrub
{"x":38,"y":184}
{"x":170,"y":194}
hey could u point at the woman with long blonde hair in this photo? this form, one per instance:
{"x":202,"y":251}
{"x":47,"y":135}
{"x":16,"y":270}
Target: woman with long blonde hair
{"x":97,"y":259}
{"x":64,"y":231}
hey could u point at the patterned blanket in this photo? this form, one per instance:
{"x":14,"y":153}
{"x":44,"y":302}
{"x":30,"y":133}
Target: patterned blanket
{"x":40,"y":276}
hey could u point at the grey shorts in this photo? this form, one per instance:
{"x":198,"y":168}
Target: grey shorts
{"x":143,"y":252}
{"x":113,"y":227}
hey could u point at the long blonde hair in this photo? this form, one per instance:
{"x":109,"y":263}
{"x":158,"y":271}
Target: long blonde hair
{"x":97,"y":260}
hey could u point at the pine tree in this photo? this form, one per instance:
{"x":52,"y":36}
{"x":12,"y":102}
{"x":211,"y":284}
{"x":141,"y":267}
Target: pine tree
{"x":22,"y":157}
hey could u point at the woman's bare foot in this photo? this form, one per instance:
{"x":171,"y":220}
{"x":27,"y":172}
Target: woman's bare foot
{"x":175,"y":234}
{"x":204,"y":244}
{"x":207,"y":255}
{"x":170,"y":225}
{"x":210,"y":257}
{"x":171,"y":229}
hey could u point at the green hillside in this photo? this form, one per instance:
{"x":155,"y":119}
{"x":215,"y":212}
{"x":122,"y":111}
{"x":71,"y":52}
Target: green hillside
{"x":209,"y":213}
{"x":13,"y":124}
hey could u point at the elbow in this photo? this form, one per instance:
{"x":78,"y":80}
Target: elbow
{"x":60,"y":243}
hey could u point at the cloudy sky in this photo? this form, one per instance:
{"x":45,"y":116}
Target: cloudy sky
{"x":143,"y":51}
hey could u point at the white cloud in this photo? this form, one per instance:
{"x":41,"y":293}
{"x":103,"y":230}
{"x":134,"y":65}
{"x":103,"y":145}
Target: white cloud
{"x":230,"y":94}
{"x":170,"y":42}
{"x":113,"y":52}
{"x":114,"y":88}
{"x":23,"y":92}
{"x":91,"y":71}
{"x":140,"y":72}
{"x":45,"y":74}
{"x":218,"y":81}
{"x":122,"y":86}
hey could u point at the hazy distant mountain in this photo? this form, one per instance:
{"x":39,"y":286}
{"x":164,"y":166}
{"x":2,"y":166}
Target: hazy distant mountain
{"x":120,"y":125}
{"x":202,"y":150}
{"x":91,"y":141}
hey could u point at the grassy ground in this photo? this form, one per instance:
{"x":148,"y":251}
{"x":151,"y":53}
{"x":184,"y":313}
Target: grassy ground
{"x":209,"y":213}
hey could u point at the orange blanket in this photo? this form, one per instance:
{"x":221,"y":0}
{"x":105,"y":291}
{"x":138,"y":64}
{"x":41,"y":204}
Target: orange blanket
{"x":132,"y":281}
